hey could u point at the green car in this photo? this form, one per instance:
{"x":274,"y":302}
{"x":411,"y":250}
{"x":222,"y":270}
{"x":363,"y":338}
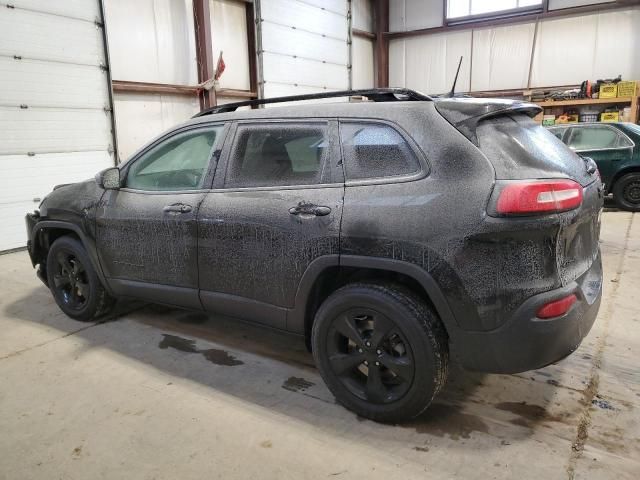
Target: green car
{"x":615,"y":147}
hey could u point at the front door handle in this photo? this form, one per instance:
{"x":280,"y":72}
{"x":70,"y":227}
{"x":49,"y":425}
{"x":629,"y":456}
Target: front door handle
{"x":177,"y":208}
{"x":307,"y":209}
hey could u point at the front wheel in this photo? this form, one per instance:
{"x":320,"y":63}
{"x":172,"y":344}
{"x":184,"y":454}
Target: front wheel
{"x":73,"y":281}
{"x":381,"y":350}
{"x":626,"y":192}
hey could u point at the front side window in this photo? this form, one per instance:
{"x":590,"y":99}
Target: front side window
{"x":595,"y":138}
{"x":178,"y":163}
{"x":373,"y":150}
{"x":278,"y":155}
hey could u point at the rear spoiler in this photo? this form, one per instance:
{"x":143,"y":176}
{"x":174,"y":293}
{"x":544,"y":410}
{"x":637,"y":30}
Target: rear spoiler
{"x":465,"y":113}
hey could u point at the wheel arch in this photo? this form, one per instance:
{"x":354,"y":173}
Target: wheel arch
{"x":326,"y":274}
{"x":46,"y":232}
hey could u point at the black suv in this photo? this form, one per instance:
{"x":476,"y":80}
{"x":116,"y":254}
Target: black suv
{"x":390,"y":234}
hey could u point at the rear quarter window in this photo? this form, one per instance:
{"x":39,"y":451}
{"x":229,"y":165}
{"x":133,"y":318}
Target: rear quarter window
{"x":375,"y":150}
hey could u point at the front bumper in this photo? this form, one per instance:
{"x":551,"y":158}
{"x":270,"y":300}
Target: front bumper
{"x":526,"y":342}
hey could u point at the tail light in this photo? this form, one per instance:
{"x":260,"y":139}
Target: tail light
{"x":557,"y":307}
{"x":538,"y":196}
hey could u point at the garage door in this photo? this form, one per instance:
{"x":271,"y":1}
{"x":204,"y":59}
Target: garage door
{"x":304,"y":46}
{"x":55,"y":114}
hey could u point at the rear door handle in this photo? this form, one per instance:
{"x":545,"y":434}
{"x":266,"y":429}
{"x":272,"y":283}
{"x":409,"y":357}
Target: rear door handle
{"x":177,"y":208}
{"x":317,"y":210}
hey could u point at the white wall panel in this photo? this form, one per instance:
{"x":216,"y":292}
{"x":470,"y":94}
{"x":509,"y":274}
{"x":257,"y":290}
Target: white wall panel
{"x":26,"y":180}
{"x":362,"y":63}
{"x":302,"y":15}
{"x":607,"y":47}
{"x":40,"y":83}
{"x":55,"y":118}
{"x":152,"y":41}
{"x":43,"y":130}
{"x":82,"y":9}
{"x":397,"y":65}
{"x":29,"y":177}
{"x":229,"y":35}
{"x":430,"y":62}
{"x":557,"y":4}
{"x":49,"y":37}
{"x":286,"y":69}
{"x":285,"y":40}
{"x":303,"y":44}
{"x":501,"y":57}
{"x":337,"y":6}
{"x":141,"y":117}
{"x":414,"y":14}
{"x":363,"y":15}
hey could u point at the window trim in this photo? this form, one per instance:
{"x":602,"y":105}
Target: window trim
{"x":424,"y":168}
{"x":617,"y":131}
{"x":489,"y":16}
{"x":167,"y":136}
{"x":219,"y":183}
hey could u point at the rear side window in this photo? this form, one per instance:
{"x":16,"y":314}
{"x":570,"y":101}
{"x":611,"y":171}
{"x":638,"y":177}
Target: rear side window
{"x":594,"y":138}
{"x":277,"y":155}
{"x":374,"y":150}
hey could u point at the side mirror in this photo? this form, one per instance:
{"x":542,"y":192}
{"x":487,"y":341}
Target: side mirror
{"x":109,"y":178}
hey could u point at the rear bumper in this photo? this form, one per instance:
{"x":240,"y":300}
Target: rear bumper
{"x":526,"y":342}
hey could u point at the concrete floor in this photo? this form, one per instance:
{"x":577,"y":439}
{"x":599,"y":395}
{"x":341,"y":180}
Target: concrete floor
{"x":161,"y":393}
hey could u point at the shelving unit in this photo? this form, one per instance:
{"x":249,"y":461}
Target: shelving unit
{"x":631,"y":101}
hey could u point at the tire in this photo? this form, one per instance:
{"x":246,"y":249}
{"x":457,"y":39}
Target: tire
{"x":626,"y":192}
{"x":74,"y":283}
{"x":381,"y":350}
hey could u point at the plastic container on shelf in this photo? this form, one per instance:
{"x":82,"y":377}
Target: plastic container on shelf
{"x":589,"y":116}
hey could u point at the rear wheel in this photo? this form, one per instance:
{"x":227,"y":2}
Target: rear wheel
{"x":626,"y":192}
{"x":73,"y":281}
{"x":381,"y":351}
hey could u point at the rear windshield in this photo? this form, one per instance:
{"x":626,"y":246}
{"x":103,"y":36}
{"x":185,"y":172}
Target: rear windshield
{"x":519,"y":148}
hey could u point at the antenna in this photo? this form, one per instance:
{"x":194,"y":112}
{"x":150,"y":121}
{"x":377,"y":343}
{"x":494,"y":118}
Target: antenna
{"x":455,"y":80}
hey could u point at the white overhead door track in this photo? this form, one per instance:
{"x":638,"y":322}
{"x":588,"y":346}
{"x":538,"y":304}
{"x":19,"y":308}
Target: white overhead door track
{"x":55,"y":111}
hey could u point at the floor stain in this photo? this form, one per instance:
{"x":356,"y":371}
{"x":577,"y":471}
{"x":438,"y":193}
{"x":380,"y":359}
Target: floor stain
{"x":448,"y":420}
{"x":266,"y":444}
{"x":297,"y":384}
{"x":77,"y":451}
{"x":178,"y":343}
{"x":529,"y":414}
{"x":220,"y":357}
{"x":600,"y":403}
{"x":214,"y":355}
{"x":421,"y":449}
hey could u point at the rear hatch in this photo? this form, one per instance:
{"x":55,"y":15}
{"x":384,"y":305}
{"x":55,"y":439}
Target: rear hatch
{"x":520,"y":149}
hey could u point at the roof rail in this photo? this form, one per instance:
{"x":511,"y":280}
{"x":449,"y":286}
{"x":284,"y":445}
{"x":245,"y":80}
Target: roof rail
{"x":375,"y":94}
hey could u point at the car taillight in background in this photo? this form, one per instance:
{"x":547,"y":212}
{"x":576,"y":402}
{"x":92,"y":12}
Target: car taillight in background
{"x":538,"y":196}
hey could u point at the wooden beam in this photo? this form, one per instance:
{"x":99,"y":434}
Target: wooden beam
{"x":204,"y":50}
{"x":231,"y":92}
{"x":251,"y":43}
{"x":363,"y":34}
{"x":158,"y":88}
{"x":527,"y":17}
{"x":381,"y":12}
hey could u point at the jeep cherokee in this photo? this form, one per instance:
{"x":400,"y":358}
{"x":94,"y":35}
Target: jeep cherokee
{"x":390,"y":234}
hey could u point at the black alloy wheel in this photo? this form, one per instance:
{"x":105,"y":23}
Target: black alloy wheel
{"x":70,"y":280}
{"x":381,"y":350}
{"x":73,"y":281}
{"x":370,"y":356}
